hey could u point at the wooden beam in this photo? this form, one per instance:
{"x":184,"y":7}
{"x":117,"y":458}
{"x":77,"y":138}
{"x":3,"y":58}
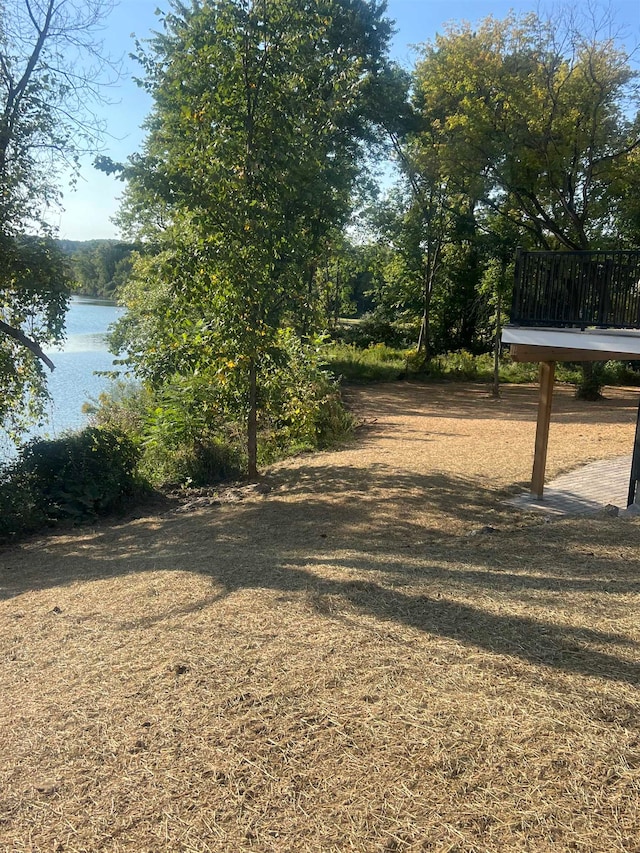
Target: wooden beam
{"x":635,"y":465}
{"x":530,"y":352}
{"x":547,"y":376}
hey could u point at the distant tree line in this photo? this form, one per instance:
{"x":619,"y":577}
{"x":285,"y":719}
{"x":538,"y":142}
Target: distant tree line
{"x":99,"y":267}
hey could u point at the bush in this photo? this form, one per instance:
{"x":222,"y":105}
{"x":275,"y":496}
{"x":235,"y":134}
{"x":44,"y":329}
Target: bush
{"x":301,"y":405}
{"x":376,"y":363}
{"x":461,"y":365}
{"x":122,"y":408}
{"x":74,"y":478}
{"x":373,"y":328}
{"x":591,"y":382}
{"x":191,"y":431}
{"x":333,"y":422}
{"x":191,"y":463}
{"x":178,"y":430}
{"x":622,"y":373}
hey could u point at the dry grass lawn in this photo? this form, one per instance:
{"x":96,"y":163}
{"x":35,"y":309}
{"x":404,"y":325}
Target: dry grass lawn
{"x":334,"y":662}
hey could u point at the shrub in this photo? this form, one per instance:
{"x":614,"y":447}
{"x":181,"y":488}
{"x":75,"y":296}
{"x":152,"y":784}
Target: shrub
{"x":73,"y":478}
{"x":178,"y":429}
{"x":376,"y":363}
{"x":591,"y":382}
{"x":622,"y":373}
{"x":191,"y":463}
{"x":191,"y":431}
{"x":334,"y":424}
{"x":461,"y":365}
{"x":123,"y":407}
{"x":373,"y":328}
{"x":301,"y":406}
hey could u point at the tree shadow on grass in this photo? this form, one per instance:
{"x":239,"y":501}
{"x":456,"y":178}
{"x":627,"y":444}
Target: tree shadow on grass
{"x":337,"y":532}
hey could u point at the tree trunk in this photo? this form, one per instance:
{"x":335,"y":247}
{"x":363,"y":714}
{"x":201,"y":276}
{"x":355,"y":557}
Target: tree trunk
{"x":495,"y":391}
{"x":423,"y":337}
{"x":252,"y":425}
{"x":590,"y":386}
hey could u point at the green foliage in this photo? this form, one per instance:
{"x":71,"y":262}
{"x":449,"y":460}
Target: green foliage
{"x":74,"y":478}
{"x":622,"y":373}
{"x":240,"y":223}
{"x":180,"y":437}
{"x":333,"y":423}
{"x":532,"y":119}
{"x":461,"y":365}
{"x":375,"y":363}
{"x":184,"y":437}
{"x":429,"y":264}
{"x":122,"y":408}
{"x":591,"y":382}
{"x":379,"y":362}
{"x":515,"y":372}
{"x":521,"y":132}
{"x":416,"y":225}
{"x":34,"y":293}
{"x":377,"y":327}
{"x":341,"y":281}
{"x":300,"y":406}
{"x":50,"y":75}
{"x":205,"y":462}
{"x":102,"y":267}
{"x":187,"y":429}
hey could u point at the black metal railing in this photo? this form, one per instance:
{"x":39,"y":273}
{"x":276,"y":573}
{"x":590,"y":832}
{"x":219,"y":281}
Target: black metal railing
{"x":577,"y":289}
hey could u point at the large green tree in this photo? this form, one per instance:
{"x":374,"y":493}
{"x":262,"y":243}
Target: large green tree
{"x":260,"y":111}
{"x":534,"y":118}
{"x":50,"y":73}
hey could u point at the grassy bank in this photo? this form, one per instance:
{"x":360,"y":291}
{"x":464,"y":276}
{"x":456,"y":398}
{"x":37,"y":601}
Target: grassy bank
{"x":382,"y":363}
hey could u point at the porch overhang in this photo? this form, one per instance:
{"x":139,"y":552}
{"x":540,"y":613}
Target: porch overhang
{"x":529,"y":344}
{"x":550,"y":345}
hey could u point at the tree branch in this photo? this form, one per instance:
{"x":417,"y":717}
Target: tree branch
{"x":30,"y":344}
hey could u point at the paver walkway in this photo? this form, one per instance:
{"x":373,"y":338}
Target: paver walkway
{"x":586,"y":489}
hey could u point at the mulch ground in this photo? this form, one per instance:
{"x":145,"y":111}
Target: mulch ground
{"x":369,"y":651}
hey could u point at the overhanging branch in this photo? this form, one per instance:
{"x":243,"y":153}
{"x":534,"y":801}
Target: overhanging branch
{"x":30,"y":344}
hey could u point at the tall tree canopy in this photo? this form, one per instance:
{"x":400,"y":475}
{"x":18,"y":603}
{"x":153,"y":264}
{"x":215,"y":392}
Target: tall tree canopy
{"x":261,"y":108}
{"x":50,"y":74}
{"x":535,"y":119}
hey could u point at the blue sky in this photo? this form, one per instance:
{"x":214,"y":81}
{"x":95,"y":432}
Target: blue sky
{"x":88,"y":209}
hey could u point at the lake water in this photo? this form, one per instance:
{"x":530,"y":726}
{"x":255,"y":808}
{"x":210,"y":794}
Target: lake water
{"x":73,"y":382}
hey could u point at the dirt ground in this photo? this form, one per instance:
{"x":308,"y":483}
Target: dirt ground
{"x":368,"y":651}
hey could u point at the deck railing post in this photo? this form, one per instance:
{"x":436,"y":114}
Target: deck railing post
{"x":516,"y":308}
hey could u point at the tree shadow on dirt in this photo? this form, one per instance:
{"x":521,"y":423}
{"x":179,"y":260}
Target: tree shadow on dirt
{"x":312,"y":535}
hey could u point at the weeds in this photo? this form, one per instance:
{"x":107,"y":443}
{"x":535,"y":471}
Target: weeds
{"x":383,"y":363}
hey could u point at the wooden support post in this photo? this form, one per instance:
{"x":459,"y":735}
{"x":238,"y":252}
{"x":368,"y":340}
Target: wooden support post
{"x":635,"y":465}
{"x":547,"y":376}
